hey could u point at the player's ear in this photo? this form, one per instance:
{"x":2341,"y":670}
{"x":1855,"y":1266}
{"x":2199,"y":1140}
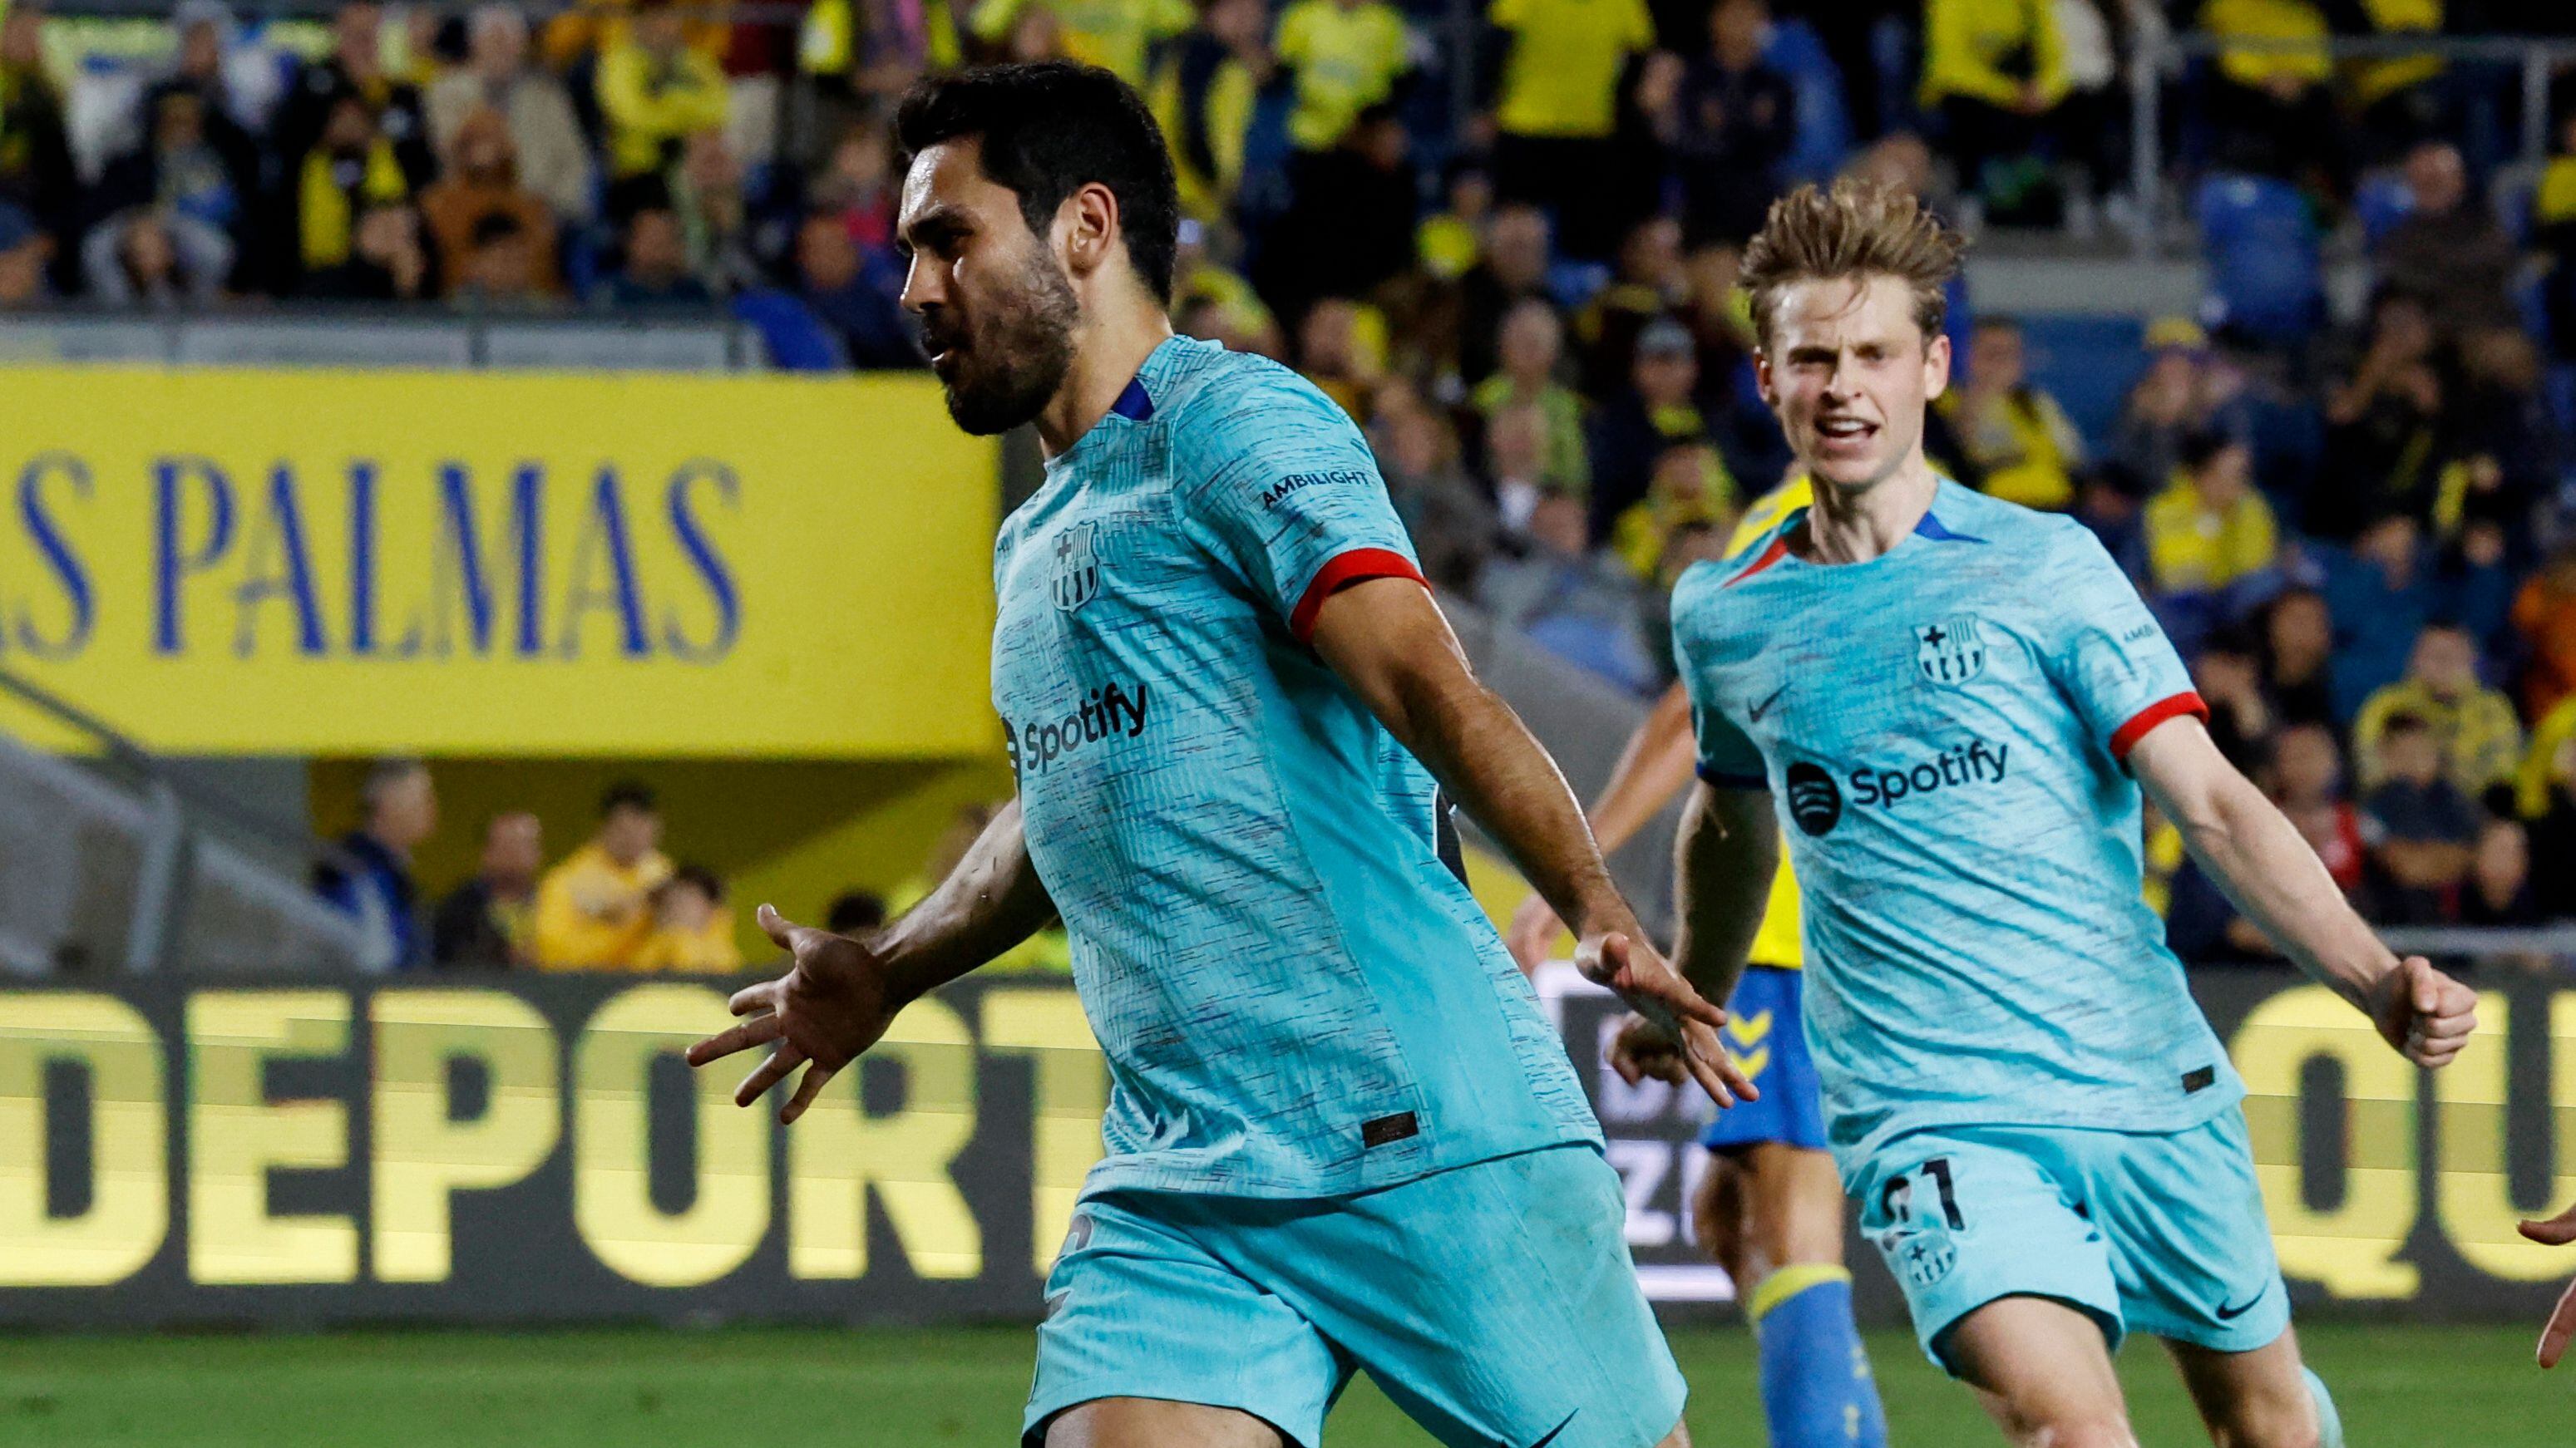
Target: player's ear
{"x":1762,"y":376}
{"x":1088,"y":222}
{"x":1936,"y":366}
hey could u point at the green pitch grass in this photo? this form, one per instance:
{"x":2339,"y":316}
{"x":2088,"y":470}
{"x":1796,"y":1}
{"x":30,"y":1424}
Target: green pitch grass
{"x":2399,"y":1387}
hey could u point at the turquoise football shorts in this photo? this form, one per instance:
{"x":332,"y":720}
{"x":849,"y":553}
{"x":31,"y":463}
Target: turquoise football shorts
{"x":1495,"y":1303}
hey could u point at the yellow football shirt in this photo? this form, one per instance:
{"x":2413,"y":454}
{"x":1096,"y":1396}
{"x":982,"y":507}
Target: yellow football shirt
{"x":1563,"y":75}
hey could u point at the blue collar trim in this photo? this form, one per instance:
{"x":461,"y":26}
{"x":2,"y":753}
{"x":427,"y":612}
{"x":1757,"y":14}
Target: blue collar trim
{"x":1135,"y":404}
{"x":1931,"y":527}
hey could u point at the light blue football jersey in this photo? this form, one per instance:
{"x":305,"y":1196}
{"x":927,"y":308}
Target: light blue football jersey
{"x":1943,"y":730}
{"x":1296,"y":996}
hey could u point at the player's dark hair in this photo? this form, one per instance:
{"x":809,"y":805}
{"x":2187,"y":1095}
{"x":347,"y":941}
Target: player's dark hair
{"x":627,"y":794}
{"x":1049,"y":129}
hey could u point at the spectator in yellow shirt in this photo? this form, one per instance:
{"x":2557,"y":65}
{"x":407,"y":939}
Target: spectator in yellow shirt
{"x":692,"y":929}
{"x":655,"y":92}
{"x":2012,"y":433}
{"x":1556,"y":111}
{"x":594,"y":910}
{"x":1343,"y":57}
{"x":1994,"y":69}
{"x":2273,"y":107}
{"x":1691,"y":488}
{"x":1118,"y":35}
{"x":1203,"y":97}
{"x":2210,"y":526}
{"x":2480,"y":735}
{"x":1531,"y":344}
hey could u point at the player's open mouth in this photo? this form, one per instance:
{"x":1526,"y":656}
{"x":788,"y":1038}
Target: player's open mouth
{"x":1841,"y":429}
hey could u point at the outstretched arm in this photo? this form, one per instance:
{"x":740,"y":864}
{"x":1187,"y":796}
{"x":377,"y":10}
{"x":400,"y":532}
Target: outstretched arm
{"x":1654,"y":767}
{"x":991,"y":902}
{"x":2268,"y":869}
{"x":840,"y":995}
{"x":1723,"y":859}
{"x":1388,"y":642}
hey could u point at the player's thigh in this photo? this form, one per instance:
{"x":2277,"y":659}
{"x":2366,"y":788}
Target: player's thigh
{"x":1793,"y":1203}
{"x":2043,"y":1372}
{"x":2253,"y":1399}
{"x":1148,"y":1333}
{"x":1156,"y":1423}
{"x":1967,"y":1216}
{"x":1719,"y":1219}
{"x":1494,"y":1303}
{"x":2184,"y":1213}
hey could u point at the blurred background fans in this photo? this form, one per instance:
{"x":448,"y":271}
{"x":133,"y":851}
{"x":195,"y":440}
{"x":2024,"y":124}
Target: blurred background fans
{"x":477,"y":525}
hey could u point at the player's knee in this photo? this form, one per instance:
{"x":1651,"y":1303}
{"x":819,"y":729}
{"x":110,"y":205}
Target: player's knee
{"x":2287,"y":1424}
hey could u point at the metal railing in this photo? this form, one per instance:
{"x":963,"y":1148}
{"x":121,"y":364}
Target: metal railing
{"x":2158,"y":60}
{"x":112,"y":862}
{"x":380,"y":336}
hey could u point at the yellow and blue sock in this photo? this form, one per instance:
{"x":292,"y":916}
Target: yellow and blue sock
{"x":1817,"y":1391}
{"x":2329,"y":1422}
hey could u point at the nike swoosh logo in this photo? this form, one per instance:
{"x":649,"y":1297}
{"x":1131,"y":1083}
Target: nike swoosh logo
{"x":1552,"y":1432}
{"x":2230,"y":1314}
{"x":1758,"y":711}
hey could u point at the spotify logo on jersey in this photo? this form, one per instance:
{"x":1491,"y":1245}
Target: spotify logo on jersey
{"x":1815,"y":801}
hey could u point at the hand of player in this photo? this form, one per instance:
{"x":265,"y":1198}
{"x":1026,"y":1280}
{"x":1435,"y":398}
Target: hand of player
{"x":1640,"y":1049}
{"x":2558,"y":1231}
{"x":1533,"y":931}
{"x":1657,"y":992}
{"x":2425,"y":1014}
{"x":832,"y":1005}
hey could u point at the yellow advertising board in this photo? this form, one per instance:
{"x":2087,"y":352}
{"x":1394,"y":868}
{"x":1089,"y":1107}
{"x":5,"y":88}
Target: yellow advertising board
{"x":454,"y":563}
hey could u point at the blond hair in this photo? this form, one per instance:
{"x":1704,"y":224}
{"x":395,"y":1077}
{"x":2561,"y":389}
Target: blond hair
{"x":1858,"y":229}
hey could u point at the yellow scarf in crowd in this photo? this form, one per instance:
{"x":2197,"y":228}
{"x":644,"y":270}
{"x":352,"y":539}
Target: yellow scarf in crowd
{"x":328,"y":218}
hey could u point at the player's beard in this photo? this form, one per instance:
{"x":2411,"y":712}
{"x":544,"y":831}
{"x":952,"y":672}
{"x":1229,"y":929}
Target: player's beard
{"x":1017,"y":356}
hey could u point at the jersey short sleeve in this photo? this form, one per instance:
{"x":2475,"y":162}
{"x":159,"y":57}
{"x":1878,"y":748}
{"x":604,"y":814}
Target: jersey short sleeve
{"x":2110,"y":656}
{"x":1280,"y":487}
{"x":1728,"y":758}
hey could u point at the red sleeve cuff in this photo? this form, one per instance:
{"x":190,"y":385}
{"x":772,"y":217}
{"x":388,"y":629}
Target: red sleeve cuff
{"x":2127,"y":736}
{"x":1340,"y":572}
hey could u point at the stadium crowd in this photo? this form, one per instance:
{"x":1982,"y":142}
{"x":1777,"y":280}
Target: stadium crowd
{"x":1513,"y":261}
{"x":614,"y":902}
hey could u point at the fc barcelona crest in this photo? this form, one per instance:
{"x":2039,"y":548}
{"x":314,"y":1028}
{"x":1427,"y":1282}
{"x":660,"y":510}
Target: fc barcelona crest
{"x":1949,"y":650}
{"x":1077,"y":568}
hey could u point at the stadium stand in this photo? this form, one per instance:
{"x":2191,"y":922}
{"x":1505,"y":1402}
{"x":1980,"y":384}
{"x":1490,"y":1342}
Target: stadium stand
{"x":1465,"y":247}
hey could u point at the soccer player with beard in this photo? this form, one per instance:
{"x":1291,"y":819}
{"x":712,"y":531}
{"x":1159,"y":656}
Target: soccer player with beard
{"x":1340,"y":1134}
{"x":1950,"y":704}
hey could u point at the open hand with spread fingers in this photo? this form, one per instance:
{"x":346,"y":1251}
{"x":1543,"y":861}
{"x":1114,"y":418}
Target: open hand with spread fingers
{"x":2425,"y":1014}
{"x":831,"y":1006}
{"x":1667,"y":1004}
{"x":2558,"y":1231}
